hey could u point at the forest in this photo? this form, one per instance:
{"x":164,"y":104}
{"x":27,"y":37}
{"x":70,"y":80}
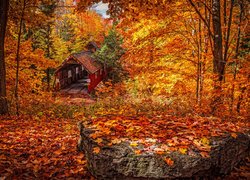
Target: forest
{"x":145,"y":84}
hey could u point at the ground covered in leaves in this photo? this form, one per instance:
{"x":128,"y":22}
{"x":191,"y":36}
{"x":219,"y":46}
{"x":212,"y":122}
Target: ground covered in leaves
{"x":162,"y":134}
{"x":40,"y":148}
{"x":45,"y":148}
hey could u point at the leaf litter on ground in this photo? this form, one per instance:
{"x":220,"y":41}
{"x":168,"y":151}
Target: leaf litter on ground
{"x":38,"y":148}
{"x":32,"y":148}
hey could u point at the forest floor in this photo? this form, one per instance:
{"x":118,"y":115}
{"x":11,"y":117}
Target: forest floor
{"x":33,"y":148}
{"x":41,"y":147}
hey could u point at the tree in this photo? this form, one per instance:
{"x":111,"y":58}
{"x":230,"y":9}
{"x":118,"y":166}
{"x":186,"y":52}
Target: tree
{"x":22,"y":13}
{"x":4,"y":6}
{"x":43,"y":38}
{"x":110,"y":53}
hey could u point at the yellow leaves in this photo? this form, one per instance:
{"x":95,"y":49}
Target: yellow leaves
{"x":96,"y":150}
{"x":133,"y":144}
{"x":144,"y":27}
{"x":169,"y":161}
{"x":130,"y":129}
{"x":202,"y":144}
{"x":116,"y":141}
{"x":98,"y":140}
{"x":183,"y":150}
{"x":205,"y":141}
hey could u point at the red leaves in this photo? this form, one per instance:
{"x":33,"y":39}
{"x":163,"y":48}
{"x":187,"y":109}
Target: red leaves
{"x":44,"y":147}
{"x":38,"y":149}
{"x":162,"y":134}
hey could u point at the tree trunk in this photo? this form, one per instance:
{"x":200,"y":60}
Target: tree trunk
{"x":236,"y":59}
{"x":18,"y":57}
{"x":48,"y":55}
{"x":4,"y":6}
{"x":48,"y":79}
{"x":227,"y":36}
{"x":218,"y":62}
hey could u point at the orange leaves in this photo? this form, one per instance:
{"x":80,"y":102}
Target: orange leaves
{"x":58,"y":152}
{"x":204,"y":154}
{"x":169,"y":161}
{"x":168,"y":133}
{"x":159,"y":151}
{"x":96,"y":150}
{"x":41,"y":148}
{"x":234,"y":135}
{"x":201,"y":146}
{"x":138,"y":152}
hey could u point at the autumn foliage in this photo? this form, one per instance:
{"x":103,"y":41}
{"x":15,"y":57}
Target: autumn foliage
{"x":176,"y":85}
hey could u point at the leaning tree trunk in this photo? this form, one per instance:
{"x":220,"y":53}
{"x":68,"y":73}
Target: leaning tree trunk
{"x":4,"y":6}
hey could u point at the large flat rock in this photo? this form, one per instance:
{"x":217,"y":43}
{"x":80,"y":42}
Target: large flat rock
{"x":119,"y":161}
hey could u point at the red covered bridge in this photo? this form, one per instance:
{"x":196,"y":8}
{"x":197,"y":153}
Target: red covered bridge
{"x":79,"y":66}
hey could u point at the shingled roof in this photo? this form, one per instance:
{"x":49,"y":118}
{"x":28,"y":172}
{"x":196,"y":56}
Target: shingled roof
{"x":84,"y":58}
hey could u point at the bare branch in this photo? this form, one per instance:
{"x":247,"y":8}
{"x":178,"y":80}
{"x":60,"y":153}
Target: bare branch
{"x":201,"y":17}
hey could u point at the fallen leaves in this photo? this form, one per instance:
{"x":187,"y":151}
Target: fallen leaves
{"x":40,"y":149}
{"x":183,"y":150}
{"x":205,"y":141}
{"x":234,"y":135}
{"x":99,"y":140}
{"x":133,"y":144}
{"x":159,"y":151}
{"x":169,"y":161}
{"x":96,"y":150}
{"x":204,"y":154}
{"x":162,"y":134}
{"x":116,"y":141}
{"x":46,"y":148}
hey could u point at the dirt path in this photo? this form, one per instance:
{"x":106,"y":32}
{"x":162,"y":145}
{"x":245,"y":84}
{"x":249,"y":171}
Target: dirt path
{"x":75,"y":94}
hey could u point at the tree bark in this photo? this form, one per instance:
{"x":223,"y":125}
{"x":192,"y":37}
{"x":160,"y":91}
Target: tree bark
{"x":4,"y":6}
{"x":236,"y":58}
{"x":219,"y":64}
{"x":18,"y":57}
{"x":218,"y":61}
{"x":48,"y":54}
{"x":227,"y":36}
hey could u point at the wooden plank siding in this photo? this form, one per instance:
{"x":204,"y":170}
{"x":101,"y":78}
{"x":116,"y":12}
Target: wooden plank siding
{"x":79,"y":66}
